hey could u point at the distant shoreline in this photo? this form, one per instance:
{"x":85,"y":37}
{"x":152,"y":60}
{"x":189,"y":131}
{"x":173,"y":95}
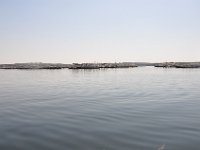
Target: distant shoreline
{"x":98,"y":65}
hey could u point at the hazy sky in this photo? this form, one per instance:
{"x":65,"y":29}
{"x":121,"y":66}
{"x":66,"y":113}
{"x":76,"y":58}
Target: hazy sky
{"x":99,"y":30}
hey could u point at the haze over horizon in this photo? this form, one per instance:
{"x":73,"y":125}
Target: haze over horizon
{"x":68,"y":31}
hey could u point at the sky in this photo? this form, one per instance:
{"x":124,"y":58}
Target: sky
{"x":69,"y":31}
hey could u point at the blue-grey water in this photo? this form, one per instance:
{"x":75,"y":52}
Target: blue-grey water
{"x":108,"y":109}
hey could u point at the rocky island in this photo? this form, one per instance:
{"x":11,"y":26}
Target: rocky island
{"x":34,"y":66}
{"x":178,"y":65}
{"x":70,"y":66}
{"x":101,"y":65}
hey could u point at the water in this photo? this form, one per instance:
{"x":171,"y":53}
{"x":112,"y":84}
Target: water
{"x":111,"y":109}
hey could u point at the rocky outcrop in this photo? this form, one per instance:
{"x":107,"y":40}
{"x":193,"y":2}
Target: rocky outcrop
{"x":118,"y":65}
{"x":179,"y":65}
{"x":101,"y":65}
{"x":34,"y":66}
{"x":70,"y":66}
{"x":84,"y":66}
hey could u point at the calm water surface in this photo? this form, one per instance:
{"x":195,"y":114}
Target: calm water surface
{"x":111,"y":109}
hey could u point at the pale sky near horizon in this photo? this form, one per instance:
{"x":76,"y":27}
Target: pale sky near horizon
{"x":70,"y":31}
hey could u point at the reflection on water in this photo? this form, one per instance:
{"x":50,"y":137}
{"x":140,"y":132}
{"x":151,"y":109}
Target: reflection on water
{"x":140,"y":108}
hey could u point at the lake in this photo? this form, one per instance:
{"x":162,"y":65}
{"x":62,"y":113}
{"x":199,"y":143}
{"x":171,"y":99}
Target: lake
{"x":108,"y":109}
